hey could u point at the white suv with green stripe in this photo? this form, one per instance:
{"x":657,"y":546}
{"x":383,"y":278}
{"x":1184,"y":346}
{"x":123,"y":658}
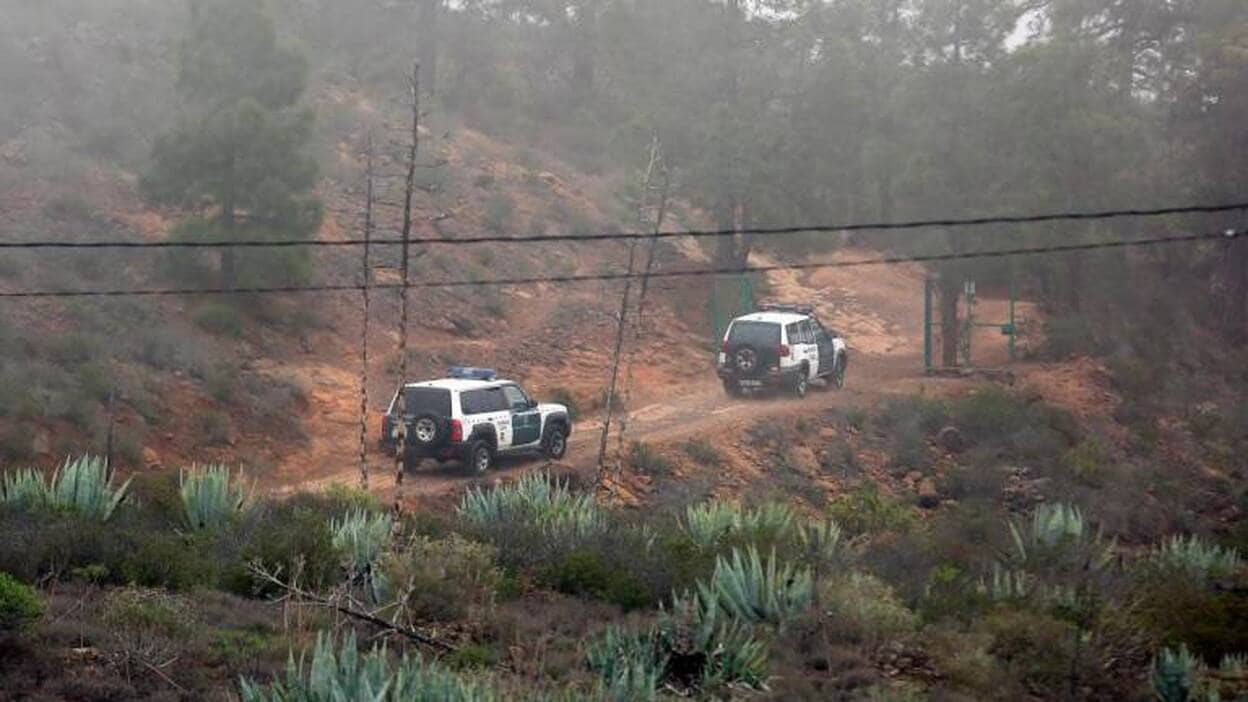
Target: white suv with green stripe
{"x":474,"y":417}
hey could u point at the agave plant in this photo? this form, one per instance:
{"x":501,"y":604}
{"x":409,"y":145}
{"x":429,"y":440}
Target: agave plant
{"x":1175,"y":674}
{"x":1196,"y":557}
{"x":85,"y":485}
{"x":1059,"y":531}
{"x":1234,"y":665}
{"x":1007,"y":584}
{"x":209,"y":498}
{"x":630,"y":663}
{"x":696,"y":635}
{"x":820,"y":541}
{"x":752,"y":591}
{"x":346,"y":675}
{"x":25,"y":489}
{"x":773,"y":519}
{"x":361,"y":538}
{"x":705,"y":524}
{"x":535,"y":500}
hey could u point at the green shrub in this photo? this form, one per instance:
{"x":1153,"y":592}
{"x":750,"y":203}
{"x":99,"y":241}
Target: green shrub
{"x":20,"y":605}
{"x":289,"y":537}
{"x":915,"y":410}
{"x":344,"y":673}
{"x":866,"y":510}
{"x":646,"y":460}
{"x":346,"y":498}
{"x":497,"y":211}
{"x":439,"y":579}
{"x":215,"y":428}
{"x":863,"y":608}
{"x":702,"y":451}
{"x":588,"y":573}
{"x":221,"y":381}
{"x":208,"y":499}
{"x":750,"y":590}
{"x":564,"y":396}
{"x":154,"y":557}
{"x":219,"y":318}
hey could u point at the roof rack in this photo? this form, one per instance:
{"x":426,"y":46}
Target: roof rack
{"x":796,"y":308}
{"x":470,"y":373}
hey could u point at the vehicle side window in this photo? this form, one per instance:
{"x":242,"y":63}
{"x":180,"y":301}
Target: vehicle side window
{"x":473,"y":402}
{"x":804,"y":332}
{"x":516,"y":399}
{"x":494,"y":400}
{"x":793,"y":331}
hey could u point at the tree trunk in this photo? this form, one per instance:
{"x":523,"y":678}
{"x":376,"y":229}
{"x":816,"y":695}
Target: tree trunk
{"x":429,"y":19}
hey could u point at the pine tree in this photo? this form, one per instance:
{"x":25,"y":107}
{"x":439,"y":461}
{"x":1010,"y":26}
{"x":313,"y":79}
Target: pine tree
{"x":239,"y":156}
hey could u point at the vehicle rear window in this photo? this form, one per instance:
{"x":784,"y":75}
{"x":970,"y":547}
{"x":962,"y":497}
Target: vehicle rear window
{"x":428,"y":400}
{"x":755,"y":333}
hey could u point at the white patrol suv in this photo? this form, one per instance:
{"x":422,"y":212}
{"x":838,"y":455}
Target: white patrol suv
{"x":473,"y":417}
{"x":782,"y":346}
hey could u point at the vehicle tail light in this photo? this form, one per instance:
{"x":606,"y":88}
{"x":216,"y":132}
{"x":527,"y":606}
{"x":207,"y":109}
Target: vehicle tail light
{"x":784,"y":351}
{"x":457,"y":430}
{"x":724,"y":347}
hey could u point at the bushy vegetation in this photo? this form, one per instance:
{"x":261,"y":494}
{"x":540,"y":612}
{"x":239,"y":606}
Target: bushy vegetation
{"x":20,"y":605}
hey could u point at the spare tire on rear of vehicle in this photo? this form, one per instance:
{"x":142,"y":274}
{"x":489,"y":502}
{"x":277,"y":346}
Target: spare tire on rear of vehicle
{"x":428,"y":430}
{"x":747,"y":360}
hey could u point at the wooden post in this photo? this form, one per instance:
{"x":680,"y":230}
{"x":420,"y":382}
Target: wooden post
{"x":656,"y":162}
{"x":408,"y":188}
{"x":367,"y":273}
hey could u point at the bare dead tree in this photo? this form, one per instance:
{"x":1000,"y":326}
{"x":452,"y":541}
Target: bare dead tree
{"x":621,"y":321}
{"x":409,"y":186}
{"x":656,"y":168}
{"x":347,"y":608}
{"x":366,"y":267}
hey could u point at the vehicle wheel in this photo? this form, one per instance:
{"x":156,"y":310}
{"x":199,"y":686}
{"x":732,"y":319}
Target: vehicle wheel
{"x":731,"y":387}
{"x":556,"y":443}
{"x":802,"y":384}
{"x":480,"y":458}
{"x":838,"y":376}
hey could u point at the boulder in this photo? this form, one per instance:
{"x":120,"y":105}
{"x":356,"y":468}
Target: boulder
{"x":951,"y":440}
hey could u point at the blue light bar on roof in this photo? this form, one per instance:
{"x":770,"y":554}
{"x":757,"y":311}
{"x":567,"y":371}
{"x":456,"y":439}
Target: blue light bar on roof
{"x":470,"y":373}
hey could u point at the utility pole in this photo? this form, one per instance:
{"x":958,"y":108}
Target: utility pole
{"x":408,"y":187}
{"x":366,"y":267}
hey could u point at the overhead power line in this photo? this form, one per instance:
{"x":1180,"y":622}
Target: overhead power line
{"x":1067,"y":216}
{"x":683,"y":273}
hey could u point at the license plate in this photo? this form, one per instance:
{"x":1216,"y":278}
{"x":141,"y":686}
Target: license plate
{"x":751,"y":383}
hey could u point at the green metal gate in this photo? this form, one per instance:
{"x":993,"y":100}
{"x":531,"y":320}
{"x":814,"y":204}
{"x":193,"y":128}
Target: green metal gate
{"x":731,"y":296}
